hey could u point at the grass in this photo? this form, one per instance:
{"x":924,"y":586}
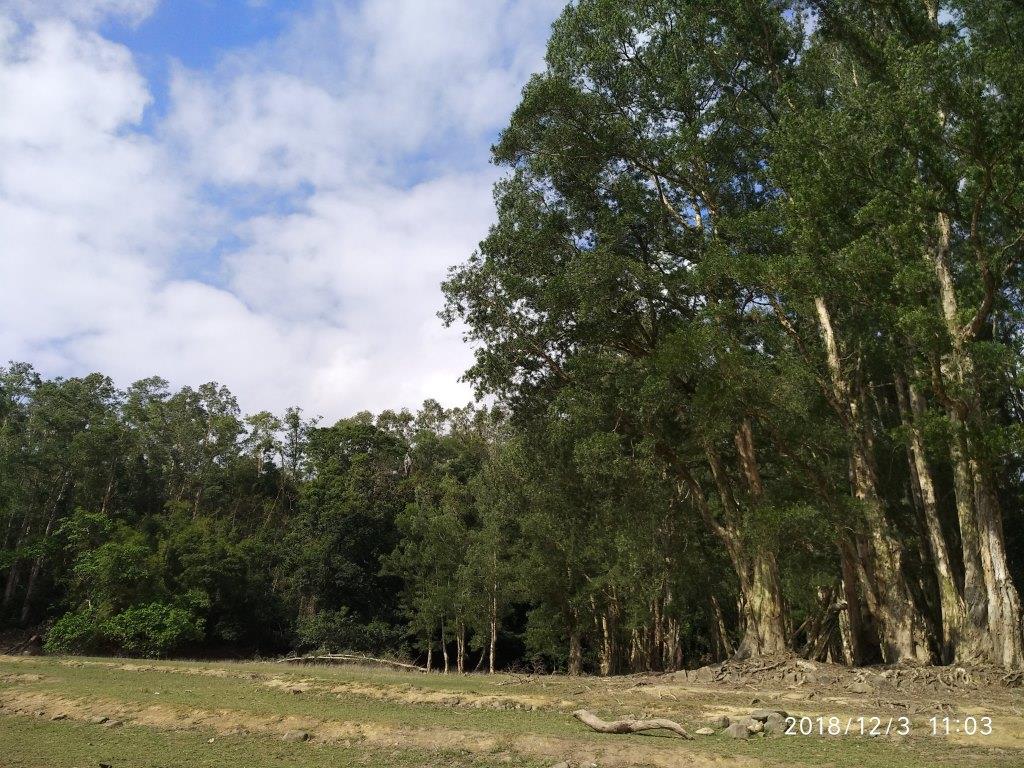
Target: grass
{"x":29,"y":743}
{"x":366,"y":717}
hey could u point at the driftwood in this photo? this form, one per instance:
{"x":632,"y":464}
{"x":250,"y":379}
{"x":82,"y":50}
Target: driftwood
{"x":347,"y":658}
{"x":628,"y":726}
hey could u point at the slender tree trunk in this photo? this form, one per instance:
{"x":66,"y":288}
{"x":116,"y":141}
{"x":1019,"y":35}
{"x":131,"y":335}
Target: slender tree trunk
{"x":723,"y":645}
{"x":37,"y":565}
{"x":493,"y":647}
{"x":430,"y":656}
{"x":33,"y":574}
{"x":609,"y":648}
{"x":14,"y":574}
{"x":444,"y":649}
{"x":903,"y":630}
{"x":460,"y":647}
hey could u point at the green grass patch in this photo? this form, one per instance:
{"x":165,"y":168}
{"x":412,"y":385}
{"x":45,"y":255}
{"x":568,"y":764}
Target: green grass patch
{"x":28,"y":743}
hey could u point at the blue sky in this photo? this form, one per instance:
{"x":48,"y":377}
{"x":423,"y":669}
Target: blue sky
{"x":197,"y":32}
{"x":257,"y":192}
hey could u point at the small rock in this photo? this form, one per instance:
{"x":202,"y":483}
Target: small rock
{"x":764,"y":714}
{"x":296,"y":736}
{"x":59,"y":716}
{"x":705,"y":731}
{"x":98,"y":719}
{"x":209,"y":741}
{"x":720,"y":722}
{"x":775,"y":724}
{"x":295,"y":690}
{"x":755,"y":726}
{"x":112,"y":724}
{"x":861,"y":686}
{"x":737,"y":731}
{"x":703,"y":675}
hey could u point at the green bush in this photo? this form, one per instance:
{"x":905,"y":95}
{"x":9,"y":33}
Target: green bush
{"x":153,"y":630}
{"x":75,"y":632}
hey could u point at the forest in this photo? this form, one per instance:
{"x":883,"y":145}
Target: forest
{"x":749,"y":338}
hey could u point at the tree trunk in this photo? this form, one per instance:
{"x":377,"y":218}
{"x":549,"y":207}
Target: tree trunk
{"x":14,"y":574}
{"x":961,"y":639}
{"x":760,"y":591}
{"x":430,"y":657}
{"x":460,"y":647}
{"x":859,"y":635}
{"x":608,"y":643}
{"x":766,"y":625}
{"x":492,"y":648}
{"x":760,"y":587}
{"x":981,"y":527}
{"x":575,"y":653}
{"x":902,"y":628}
{"x":37,"y":565}
{"x":1004,"y":605}
{"x":723,"y":645}
{"x":444,"y":649}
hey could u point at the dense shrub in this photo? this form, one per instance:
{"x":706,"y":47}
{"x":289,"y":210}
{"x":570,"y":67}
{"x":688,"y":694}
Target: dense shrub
{"x":153,"y":630}
{"x":75,"y":632}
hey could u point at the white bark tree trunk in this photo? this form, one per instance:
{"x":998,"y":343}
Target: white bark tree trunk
{"x":902,"y":628}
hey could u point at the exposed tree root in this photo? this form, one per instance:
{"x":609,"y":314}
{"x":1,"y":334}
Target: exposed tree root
{"x":628,"y":726}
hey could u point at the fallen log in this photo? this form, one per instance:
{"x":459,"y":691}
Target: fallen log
{"x":346,"y":658}
{"x":628,"y":726}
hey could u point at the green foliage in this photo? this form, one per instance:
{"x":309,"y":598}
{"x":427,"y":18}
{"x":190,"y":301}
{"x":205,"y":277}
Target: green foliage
{"x":152,"y":630}
{"x":76,"y":632}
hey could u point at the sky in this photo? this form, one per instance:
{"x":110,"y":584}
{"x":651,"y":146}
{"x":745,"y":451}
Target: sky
{"x":262,"y":193}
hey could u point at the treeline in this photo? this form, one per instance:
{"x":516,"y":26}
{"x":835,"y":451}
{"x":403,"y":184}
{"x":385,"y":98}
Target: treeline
{"x":151,"y":522}
{"x":751,"y":317}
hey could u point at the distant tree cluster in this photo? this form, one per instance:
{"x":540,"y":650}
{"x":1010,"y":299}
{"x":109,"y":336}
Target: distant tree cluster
{"x":751,"y":321}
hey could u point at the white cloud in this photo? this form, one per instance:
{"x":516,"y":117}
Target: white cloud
{"x":372,"y":119}
{"x":85,"y":11}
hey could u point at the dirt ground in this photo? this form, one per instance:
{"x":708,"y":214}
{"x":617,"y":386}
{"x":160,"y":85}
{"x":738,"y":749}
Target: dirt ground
{"x":906,"y":716}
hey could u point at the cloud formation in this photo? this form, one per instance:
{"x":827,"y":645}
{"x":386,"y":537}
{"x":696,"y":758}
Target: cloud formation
{"x":283,"y":224}
{"x":83,"y":11}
